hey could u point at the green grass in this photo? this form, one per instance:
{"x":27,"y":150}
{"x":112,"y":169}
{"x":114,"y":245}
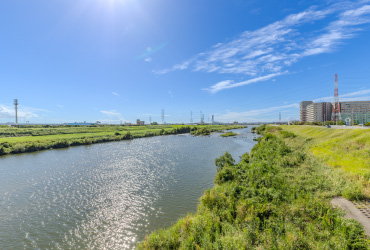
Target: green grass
{"x":29,"y":139}
{"x":276,"y":197}
{"x":348,"y":149}
{"x":229,"y":134}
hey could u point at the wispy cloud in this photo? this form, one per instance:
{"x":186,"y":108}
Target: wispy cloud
{"x":116,"y":94}
{"x":275,"y":47}
{"x":148,"y":59}
{"x":7,"y":111}
{"x":228,"y":84}
{"x":59,"y":106}
{"x":113,"y":113}
{"x":352,"y":96}
{"x":270,"y":113}
{"x":256,"y":114}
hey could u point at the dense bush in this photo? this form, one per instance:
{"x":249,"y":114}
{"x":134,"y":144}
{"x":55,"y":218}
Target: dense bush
{"x":201,"y":131}
{"x":287,"y":134}
{"x":274,"y":198}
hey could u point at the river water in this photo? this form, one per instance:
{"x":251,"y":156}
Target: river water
{"x":110,"y":195}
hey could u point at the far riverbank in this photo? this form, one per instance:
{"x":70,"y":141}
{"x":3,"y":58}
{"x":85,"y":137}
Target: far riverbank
{"x":23,"y":139}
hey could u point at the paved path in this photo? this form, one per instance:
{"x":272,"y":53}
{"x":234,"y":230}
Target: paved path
{"x":359,"y":211}
{"x":349,"y":127}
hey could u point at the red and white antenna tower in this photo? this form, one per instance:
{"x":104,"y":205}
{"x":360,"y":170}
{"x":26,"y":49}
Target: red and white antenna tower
{"x":336,"y":106}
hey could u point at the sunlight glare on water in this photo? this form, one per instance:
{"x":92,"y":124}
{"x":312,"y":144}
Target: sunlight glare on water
{"x":106,"y":196}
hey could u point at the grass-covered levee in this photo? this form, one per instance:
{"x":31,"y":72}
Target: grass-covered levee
{"x":276,"y":197}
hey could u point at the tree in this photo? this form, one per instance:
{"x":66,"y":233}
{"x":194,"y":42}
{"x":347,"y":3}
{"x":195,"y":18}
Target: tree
{"x":224,"y":161}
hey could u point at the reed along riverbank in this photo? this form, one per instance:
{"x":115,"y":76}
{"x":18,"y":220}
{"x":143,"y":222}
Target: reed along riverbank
{"x":275,"y":197}
{"x":22,"y":139}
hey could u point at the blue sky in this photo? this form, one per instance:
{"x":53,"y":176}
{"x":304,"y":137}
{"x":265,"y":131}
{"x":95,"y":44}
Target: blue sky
{"x":122,"y":60}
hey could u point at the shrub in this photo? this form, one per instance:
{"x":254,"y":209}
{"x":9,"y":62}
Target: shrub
{"x":223,"y":161}
{"x":287,"y":134}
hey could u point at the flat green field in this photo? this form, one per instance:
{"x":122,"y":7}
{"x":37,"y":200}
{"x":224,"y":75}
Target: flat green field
{"x":348,"y":149}
{"x":34,"y":138}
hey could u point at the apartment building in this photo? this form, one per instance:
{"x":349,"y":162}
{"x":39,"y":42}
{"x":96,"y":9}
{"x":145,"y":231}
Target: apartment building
{"x":319,"y":112}
{"x":357,"y":111}
{"x":303,"y":110}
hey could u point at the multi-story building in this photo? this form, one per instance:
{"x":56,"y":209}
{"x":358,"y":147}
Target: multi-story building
{"x":303,"y":110}
{"x":318,"y":112}
{"x":140,"y":123}
{"x":356,"y":111}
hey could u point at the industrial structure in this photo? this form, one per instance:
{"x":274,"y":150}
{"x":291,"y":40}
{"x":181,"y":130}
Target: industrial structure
{"x":336,"y":116}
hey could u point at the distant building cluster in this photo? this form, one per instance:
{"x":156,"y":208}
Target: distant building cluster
{"x":140,"y":123}
{"x":355,"y":111}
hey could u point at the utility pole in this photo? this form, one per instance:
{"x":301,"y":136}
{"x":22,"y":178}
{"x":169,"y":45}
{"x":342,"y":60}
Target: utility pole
{"x":163,"y":121}
{"x":16,"y":111}
{"x":279,"y":116}
{"x":191,"y":116}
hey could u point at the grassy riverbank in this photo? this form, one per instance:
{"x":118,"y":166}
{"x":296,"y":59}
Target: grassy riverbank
{"x":15,"y":140}
{"x":276,"y":197}
{"x":348,"y":149}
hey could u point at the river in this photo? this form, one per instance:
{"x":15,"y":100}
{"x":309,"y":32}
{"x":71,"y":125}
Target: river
{"x":110,"y":195}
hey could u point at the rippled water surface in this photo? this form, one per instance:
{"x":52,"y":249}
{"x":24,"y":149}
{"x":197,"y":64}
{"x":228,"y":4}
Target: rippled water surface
{"x":106,"y":196}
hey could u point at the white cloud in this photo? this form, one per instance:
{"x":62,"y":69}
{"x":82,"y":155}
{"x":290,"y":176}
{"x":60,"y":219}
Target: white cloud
{"x":228,"y":84}
{"x":7,"y":111}
{"x":113,"y":113}
{"x":265,"y":114}
{"x":289,"y":110}
{"x":352,"y":96}
{"x":116,"y":94}
{"x":273,"y":48}
{"x":148,"y":59}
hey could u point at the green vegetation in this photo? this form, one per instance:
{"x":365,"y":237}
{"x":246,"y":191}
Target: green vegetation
{"x":22,"y":139}
{"x":229,"y":134}
{"x":207,"y":130}
{"x":200,"y":131}
{"x":348,"y":149}
{"x":321,"y":123}
{"x":276,"y":197}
